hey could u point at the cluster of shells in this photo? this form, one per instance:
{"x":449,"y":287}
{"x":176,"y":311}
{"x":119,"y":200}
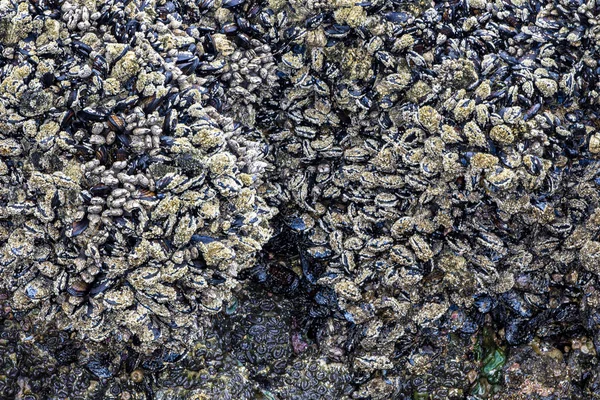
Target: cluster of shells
{"x":439,"y":160}
{"x":401,"y":173}
{"x":130,"y":200}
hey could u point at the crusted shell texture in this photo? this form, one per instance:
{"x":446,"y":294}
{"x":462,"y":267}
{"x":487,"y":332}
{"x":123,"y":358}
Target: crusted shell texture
{"x":133,"y":201}
{"x":266,"y":199}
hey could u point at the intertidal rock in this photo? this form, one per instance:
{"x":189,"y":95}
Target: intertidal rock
{"x":299,"y":199}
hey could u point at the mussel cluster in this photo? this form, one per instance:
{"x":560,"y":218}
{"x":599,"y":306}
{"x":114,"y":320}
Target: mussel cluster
{"x":130,"y":203}
{"x":440,"y":158}
{"x":381,"y":199}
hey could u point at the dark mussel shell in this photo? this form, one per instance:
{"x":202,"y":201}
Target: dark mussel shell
{"x":102,"y":154}
{"x":78,"y":288}
{"x":81,"y":48}
{"x":337,"y":31}
{"x":100,"y":368}
{"x":205,"y":4}
{"x":79,"y":227}
{"x":90,"y":114}
{"x":282,"y":279}
{"x":116,"y":123}
{"x":100,"y":190}
{"x":315,"y":21}
{"x":47,"y":79}
{"x":100,"y":66}
{"x":232,"y":3}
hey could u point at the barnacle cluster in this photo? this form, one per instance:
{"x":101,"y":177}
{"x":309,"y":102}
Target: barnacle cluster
{"x":460,"y":165}
{"x":299,"y":199}
{"x":130,"y":200}
{"x":260,"y":334}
